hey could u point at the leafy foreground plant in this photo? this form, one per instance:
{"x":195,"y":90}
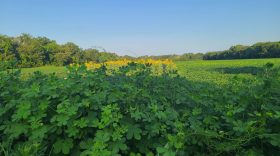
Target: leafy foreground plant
{"x":133,"y":112}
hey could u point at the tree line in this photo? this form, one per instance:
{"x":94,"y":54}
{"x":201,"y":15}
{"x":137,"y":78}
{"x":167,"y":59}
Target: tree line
{"x":28,"y":51}
{"x":258,"y":50}
{"x":174,"y":57}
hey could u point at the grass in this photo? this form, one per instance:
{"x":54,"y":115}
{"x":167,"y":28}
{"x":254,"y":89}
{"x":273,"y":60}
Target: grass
{"x":45,"y":69}
{"x":222,"y":71}
{"x":214,"y":71}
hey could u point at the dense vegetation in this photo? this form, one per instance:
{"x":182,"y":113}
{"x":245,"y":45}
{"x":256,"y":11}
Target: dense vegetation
{"x":258,"y":50}
{"x":137,"y":107}
{"x":132,"y":111}
{"x":28,"y":51}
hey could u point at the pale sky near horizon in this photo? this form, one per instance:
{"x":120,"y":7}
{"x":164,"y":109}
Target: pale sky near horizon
{"x":145,"y":27}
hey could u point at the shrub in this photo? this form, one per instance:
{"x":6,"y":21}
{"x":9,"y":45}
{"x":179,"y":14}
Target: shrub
{"x":132,"y":111}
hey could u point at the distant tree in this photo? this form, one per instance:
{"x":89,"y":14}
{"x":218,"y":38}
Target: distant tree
{"x":90,"y":55}
{"x":31,"y":51}
{"x":68,"y":54}
{"x":104,"y":56}
{"x":52,"y":49}
{"x":8,"y":49}
{"x":258,"y":50}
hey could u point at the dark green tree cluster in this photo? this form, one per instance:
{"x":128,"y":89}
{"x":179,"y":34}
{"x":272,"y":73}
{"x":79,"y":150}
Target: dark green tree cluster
{"x":28,"y":51}
{"x":258,"y":50}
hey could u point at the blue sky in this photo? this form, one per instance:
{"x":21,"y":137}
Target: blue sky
{"x":145,"y":27}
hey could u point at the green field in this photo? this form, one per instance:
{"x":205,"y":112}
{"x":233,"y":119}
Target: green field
{"x":215,"y":71}
{"x":228,"y":107}
{"x":220,"y":71}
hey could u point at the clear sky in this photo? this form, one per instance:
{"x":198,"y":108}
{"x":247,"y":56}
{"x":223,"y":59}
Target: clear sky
{"x":145,"y":27}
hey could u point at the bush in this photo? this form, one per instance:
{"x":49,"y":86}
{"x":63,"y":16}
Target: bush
{"x":132,"y":111}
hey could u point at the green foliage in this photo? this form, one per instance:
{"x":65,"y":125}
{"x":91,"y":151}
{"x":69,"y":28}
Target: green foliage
{"x":132,"y":111}
{"x":258,"y":50}
{"x":28,"y":51}
{"x":63,"y":146}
